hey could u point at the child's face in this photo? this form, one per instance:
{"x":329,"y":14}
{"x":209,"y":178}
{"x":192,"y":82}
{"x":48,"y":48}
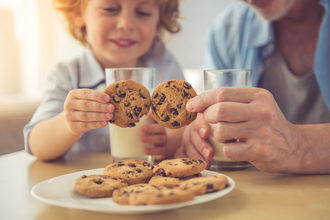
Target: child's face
{"x":120,"y":31}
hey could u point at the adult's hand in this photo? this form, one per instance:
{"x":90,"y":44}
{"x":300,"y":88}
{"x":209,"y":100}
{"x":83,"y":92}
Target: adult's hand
{"x":252,"y":116}
{"x":194,"y":143}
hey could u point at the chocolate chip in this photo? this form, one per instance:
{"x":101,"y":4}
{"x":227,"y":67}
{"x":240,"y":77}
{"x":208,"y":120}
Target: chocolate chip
{"x":187,"y":162}
{"x":185,"y":94}
{"x":227,"y":185}
{"x":122,"y":95}
{"x":166,"y":119}
{"x":83,"y":176}
{"x":98,"y":181}
{"x":159,"y":196}
{"x":179,"y":105}
{"x":127,"y":103}
{"x":129,"y":115}
{"x":117,"y":86}
{"x":174,"y":111}
{"x":168,"y":84}
{"x":171,"y":194}
{"x":131,"y":165}
{"x":141,"y":95}
{"x":137,"y":111}
{"x":161,"y":172}
{"x":115,"y":100}
{"x":186,"y":85}
{"x":156,"y":95}
{"x":162,"y":99}
{"x":175,"y":124}
{"x":209,"y":187}
{"x":131,"y":124}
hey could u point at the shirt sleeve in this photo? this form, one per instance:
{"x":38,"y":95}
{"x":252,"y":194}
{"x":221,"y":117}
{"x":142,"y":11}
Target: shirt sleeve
{"x":227,"y":39}
{"x":58,"y":84}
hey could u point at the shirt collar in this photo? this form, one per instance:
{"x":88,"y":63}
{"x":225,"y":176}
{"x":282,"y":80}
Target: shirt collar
{"x":262,"y":32}
{"x":91,"y":74}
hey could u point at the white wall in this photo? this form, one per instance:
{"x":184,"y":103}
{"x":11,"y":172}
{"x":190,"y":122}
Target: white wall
{"x":189,"y":44}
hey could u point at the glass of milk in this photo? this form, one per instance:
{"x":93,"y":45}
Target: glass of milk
{"x":225,"y":78}
{"x":125,"y":143}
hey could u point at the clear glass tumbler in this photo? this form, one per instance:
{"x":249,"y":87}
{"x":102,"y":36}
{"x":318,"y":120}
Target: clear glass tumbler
{"x":125,"y":142}
{"x":225,"y":78}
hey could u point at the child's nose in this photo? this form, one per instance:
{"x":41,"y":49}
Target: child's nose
{"x":126,"y":21}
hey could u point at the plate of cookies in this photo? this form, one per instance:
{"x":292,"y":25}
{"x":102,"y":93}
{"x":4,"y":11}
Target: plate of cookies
{"x":135,"y":186}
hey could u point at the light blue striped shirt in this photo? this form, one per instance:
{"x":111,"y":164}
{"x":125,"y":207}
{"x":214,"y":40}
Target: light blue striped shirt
{"x":85,"y":72}
{"x":239,"y":38}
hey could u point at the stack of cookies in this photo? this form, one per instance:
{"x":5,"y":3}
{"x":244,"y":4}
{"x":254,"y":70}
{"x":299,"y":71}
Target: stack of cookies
{"x":135,"y":182}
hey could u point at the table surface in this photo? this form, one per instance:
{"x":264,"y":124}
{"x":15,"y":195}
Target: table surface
{"x":257,"y":195}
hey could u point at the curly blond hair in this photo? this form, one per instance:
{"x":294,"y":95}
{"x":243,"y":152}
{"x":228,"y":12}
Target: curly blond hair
{"x":168,"y":16}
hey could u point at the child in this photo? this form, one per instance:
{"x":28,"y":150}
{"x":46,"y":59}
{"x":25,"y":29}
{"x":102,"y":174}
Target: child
{"x":116,"y":33}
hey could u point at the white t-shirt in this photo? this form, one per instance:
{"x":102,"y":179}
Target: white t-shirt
{"x":298,"y":97}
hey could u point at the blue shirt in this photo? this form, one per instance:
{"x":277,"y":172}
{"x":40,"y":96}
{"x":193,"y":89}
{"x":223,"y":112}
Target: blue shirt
{"x":86,"y":72}
{"x":239,"y":38}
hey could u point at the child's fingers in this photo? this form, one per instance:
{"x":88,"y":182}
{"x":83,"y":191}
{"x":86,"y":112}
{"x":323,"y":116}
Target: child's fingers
{"x":154,"y":139}
{"x":88,"y":116}
{"x":89,"y":94}
{"x":153,"y":129}
{"x":157,"y":150}
{"x":81,"y":127}
{"x":88,"y":106}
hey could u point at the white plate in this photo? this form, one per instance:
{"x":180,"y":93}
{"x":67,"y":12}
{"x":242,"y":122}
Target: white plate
{"x":59,"y":191}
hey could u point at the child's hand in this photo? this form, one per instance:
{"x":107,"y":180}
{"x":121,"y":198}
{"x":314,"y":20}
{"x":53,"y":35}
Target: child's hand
{"x":156,"y":135}
{"x":86,"y":109}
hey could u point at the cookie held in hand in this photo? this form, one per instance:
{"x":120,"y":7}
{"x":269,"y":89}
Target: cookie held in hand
{"x":169,"y":101}
{"x":131,"y":100}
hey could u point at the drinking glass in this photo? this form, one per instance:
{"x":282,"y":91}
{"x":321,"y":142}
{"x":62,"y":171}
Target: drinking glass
{"x":125,"y":143}
{"x":225,"y":78}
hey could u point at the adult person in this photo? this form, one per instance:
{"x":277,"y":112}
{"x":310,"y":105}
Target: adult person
{"x":282,"y":126}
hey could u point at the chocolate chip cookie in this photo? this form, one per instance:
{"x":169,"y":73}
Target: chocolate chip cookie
{"x":148,"y":194}
{"x":132,"y":171}
{"x":206,"y":184}
{"x":131,"y":100}
{"x":97,"y":186}
{"x":181,"y":167}
{"x":168,"y":182}
{"x":168,"y":103}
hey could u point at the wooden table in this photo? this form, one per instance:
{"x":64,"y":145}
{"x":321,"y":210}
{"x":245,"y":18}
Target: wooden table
{"x":257,"y":195}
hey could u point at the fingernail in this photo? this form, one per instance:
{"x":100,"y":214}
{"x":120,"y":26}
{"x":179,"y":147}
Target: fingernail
{"x":206,"y":152}
{"x":202,"y":132}
{"x":110,"y":108}
{"x":190,"y":105}
{"x":107,"y":116}
{"x":106,"y":98}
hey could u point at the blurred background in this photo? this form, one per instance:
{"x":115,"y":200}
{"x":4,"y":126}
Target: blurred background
{"x":32,"y":40}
